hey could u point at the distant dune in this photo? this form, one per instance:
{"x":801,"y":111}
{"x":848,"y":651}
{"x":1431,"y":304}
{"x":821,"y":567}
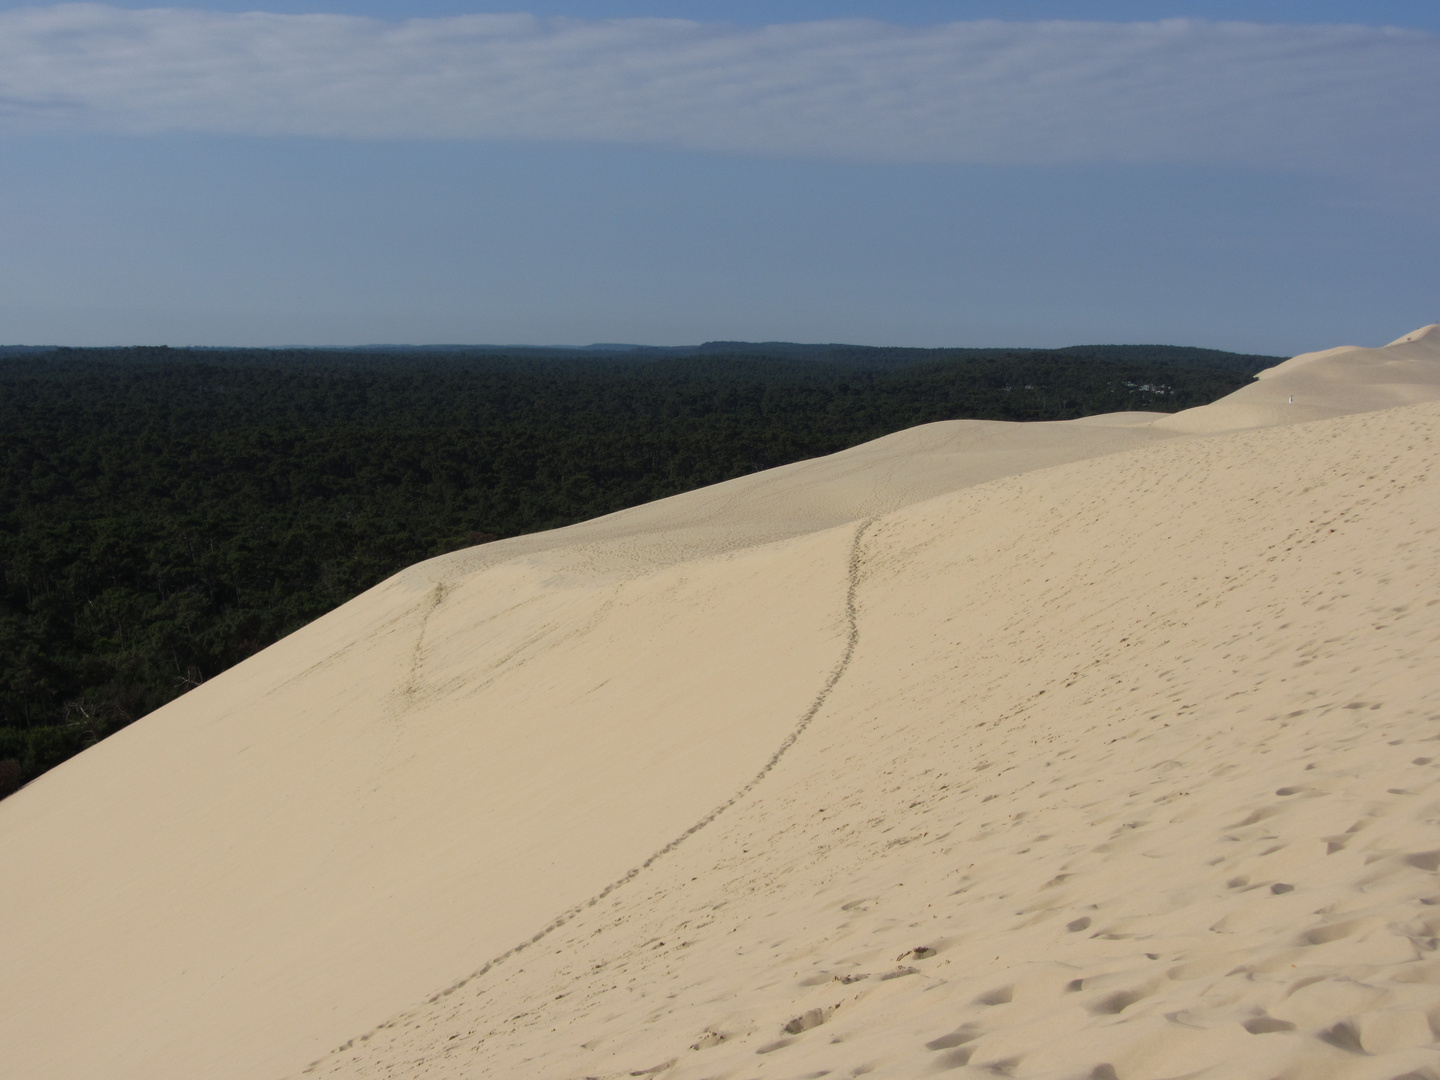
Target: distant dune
{"x":1103,"y":749}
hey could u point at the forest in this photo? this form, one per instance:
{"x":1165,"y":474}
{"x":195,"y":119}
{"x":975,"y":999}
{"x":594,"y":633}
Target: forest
{"x":165,"y":513}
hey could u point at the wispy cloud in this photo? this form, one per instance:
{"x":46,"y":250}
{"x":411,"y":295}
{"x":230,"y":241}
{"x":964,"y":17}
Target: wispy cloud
{"x":1172,"y":91}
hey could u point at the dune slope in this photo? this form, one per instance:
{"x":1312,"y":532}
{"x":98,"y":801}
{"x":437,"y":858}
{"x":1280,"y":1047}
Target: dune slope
{"x":1096,"y":749}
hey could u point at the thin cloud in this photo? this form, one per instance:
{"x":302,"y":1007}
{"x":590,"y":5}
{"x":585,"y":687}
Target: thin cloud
{"x":1178,"y":91}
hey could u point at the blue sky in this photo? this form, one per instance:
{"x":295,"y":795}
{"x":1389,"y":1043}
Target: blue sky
{"x":1257,"y":176}
{"x":1414,"y":13}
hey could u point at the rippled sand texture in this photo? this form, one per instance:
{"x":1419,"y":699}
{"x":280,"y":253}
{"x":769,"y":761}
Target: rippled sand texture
{"x":1101,"y":749}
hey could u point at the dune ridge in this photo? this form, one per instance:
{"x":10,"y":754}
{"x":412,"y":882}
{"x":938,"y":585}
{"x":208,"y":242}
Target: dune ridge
{"x":1060,"y":750}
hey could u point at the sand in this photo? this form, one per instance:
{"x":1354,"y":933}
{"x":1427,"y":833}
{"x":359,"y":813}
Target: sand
{"x":1099,"y":749}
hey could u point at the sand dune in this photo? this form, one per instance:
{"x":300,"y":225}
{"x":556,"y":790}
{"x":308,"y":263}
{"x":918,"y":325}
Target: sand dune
{"x":1335,"y":382}
{"x":1108,"y":748}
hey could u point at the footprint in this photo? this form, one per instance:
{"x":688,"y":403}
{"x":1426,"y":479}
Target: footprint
{"x":1258,"y":816}
{"x":920,"y":952}
{"x":1002,"y":995}
{"x":1424,"y":860}
{"x":770,"y":1048}
{"x":1114,"y":1003}
{"x":1334,"y":932}
{"x":1082,"y":923}
{"x":955,"y":1059}
{"x":1343,"y":1036}
{"x":662,"y":1067}
{"x":1265,"y":1025}
{"x":807,"y":1020}
{"x":1336,"y":843}
{"x":1003,"y":1067}
{"x":959,"y":1037}
{"x":899,"y":973}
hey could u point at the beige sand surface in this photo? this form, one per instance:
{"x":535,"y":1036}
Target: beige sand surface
{"x":1109,"y":748}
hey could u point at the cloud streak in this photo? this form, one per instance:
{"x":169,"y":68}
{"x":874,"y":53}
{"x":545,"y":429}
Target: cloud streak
{"x":1178,"y":91}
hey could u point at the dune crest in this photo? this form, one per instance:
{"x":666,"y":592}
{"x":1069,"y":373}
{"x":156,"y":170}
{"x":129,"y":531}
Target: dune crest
{"x":1425,"y":333}
{"x":1107,"y":748}
{"x":1333,"y":382}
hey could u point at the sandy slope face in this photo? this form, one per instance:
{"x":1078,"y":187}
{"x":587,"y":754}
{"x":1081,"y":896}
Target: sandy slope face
{"x":324,"y":835}
{"x":1134,"y":772}
{"x":431,"y":774}
{"x":913,"y":720}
